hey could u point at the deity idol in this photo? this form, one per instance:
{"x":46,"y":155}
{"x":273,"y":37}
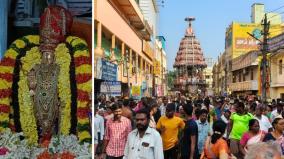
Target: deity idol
{"x":49,"y":81}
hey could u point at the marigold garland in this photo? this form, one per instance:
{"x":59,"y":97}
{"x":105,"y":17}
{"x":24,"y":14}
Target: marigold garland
{"x":27,"y":118}
{"x":6,"y":72}
{"x":21,"y":46}
{"x":63,"y":59}
{"x":82,"y":78}
{"x":20,"y":43}
{"x":8,"y":62}
{"x":7,"y":65}
{"x":83,"y":67}
{"x":6,"y":69}
{"x":34,"y":39}
{"x":7,"y":77}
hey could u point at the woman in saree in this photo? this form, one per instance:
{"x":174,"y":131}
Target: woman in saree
{"x":277,"y":133}
{"x":215,"y":146}
{"x":253,"y":136}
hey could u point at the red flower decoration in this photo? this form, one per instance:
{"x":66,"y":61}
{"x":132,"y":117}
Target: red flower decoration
{"x":4,"y":108}
{"x":82,"y":95}
{"x":82,"y":60}
{"x":7,"y":61}
{"x":3,"y":151}
{"x":67,"y":155}
{"x":12,"y":127}
{"x":7,"y":76}
{"x":83,"y":112}
{"x":82,"y":78}
{"x":44,"y":155}
{"x":4,"y":93}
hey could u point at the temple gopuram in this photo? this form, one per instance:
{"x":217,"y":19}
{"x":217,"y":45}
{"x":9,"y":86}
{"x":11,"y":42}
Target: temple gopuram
{"x":189,"y":65}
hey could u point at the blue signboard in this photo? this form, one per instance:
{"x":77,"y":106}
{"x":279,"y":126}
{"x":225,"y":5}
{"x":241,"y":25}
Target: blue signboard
{"x":144,"y":85}
{"x":111,"y":88}
{"x":109,"y":71}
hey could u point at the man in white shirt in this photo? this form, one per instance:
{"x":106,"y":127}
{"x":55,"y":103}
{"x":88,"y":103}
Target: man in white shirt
{"x":143,"y":142}
{"x":278,"y":111}
{"x":95,"y":138}
{"x":264,"y":123}
{"x":226,"y":118}
{"x":99,"y":128}
{"x":163,"y":106}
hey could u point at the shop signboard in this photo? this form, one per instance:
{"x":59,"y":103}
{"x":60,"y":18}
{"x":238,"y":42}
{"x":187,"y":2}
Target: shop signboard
{"x":147,"y":49}
{"x":237,"y":36}
{"x":111,"y":88}
{"x":144,"y":85}
{"x":136,"y":91}
{"x":157,"y":67}
{"x":108,"y":71}
{"x":276,"y":43}
{"x":160,"y":90}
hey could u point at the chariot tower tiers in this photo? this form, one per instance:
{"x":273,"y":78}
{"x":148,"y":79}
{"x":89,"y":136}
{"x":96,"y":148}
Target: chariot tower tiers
{"x":189,"y":64}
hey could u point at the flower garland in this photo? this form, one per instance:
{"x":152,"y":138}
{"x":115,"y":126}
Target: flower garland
{"x":83,"y":73}
{"x":63,"y":59}
{"x":27,"y":119}
{"x":8,"y":77}
{"x":22,"y":45}
{"x":6,"y":80}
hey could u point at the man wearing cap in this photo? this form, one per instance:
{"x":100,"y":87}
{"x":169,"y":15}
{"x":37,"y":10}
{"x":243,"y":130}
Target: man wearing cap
{"x":169,"y":126}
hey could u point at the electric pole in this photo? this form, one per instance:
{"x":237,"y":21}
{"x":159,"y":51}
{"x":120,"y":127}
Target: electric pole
{"x":264,"y":50}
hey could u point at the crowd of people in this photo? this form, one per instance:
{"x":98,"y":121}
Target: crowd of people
{"x":186,"y":128}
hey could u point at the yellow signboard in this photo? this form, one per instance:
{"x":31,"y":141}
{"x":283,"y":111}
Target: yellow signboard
{"x":157,"y":67}
{"x":136,"y":91}
{"x":147,"y":49}
{"x":242,"y":42}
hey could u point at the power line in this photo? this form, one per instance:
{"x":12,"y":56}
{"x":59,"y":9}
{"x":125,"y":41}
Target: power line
{"x":275,"y":15}
{"x":276,"y":9}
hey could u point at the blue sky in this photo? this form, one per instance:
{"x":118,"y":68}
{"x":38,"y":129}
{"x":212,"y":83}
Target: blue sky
{"x":212,"y":19}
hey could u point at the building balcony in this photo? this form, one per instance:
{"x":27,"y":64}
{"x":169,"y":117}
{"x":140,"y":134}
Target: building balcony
{"x":147,"y":31}
{"x":244,"y":86}
{"x":277,"y":84}
{"x":130,"y":11}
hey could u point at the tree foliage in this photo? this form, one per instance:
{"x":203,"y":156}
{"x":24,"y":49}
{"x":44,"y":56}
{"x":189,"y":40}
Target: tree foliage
{"x":171,"y":77}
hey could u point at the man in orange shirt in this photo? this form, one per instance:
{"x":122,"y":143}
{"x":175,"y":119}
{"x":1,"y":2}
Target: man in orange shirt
{"x":169,"y":126}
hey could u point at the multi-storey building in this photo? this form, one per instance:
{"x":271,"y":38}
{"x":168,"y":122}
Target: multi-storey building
{"x":245,"y":72}
{"x":239,"y":41}
{"x":125,"y":47}
{"x":276,"y":58}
